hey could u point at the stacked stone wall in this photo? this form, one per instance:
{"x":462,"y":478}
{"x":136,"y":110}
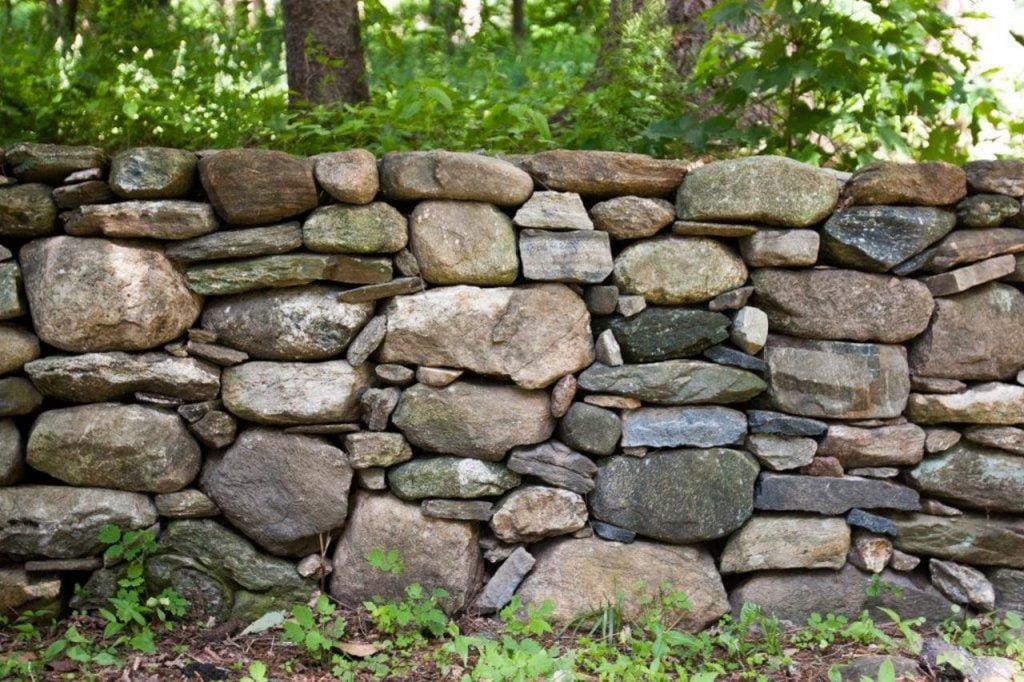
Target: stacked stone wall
{"x":577,"y":376}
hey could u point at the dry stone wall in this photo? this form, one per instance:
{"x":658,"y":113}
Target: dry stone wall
{"x":576,"y":376}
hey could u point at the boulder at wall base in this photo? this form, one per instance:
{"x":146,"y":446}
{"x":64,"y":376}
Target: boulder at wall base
{"x":678,"y":270}
{"x":221,"y":574}
{"x":97,"y":294}
{"x":125,"y":447}
{"x":676,"y":496}
{"x":583,"y":576}
{"x":285,"y":491}
{"x":471,"y":419}
{"x":258,"y":186}
{"x":63,"y":522}
{"x":435,"y":553}
{"x":21,"y":591}
{"x":973,"y":476}
{"x":533,"y":335}
{"x":971,"y":538}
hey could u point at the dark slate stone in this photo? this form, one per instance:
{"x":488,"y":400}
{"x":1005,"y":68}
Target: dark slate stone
{"x":554,"y":463}
{"x":871,"y":522}
{"x":607,"y":531}
{"x":877,"y":238}
{"x":666,"y":427}
{"x":591,"y":429}
{"x":831,"y":495}
{"x":665,"y":333}
{"x":724,"y":355}
{"x":766,"y":421}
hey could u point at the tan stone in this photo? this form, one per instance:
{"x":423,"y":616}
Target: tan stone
{"x":532,"y":513}
{"x":778,"y":541}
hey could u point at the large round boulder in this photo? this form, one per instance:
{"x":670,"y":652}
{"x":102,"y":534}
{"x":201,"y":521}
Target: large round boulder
{"x":678,"y":270}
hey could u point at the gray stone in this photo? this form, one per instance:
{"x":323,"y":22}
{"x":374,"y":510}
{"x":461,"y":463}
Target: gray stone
{"x":216,"y":354}
{"x":871,"y":522}
{"x":376,"y":449}
{"x":215,"y":430}
{"x":932,"y":183}
{"x":51,"y":163}
{"x":938,"y":439}
{"x":632,"y":217}
{"x":991,"y":403}
{"x":973,"y":476}
{"x":27,"y":211}
{"x":96,"y":377}
{"x":701,"y":427}
{"x":612,"y":533}
{"x":780,"y":453}
{"x":962,"y":584}
{"x":186,"y":504}
{"x":607,"y":350}
{"x":12,"y":300}
{"x":590,"y":429}
{"x":27,"y":597}
{"x":257,"y":186}
{"x":172,"y":219}
{"x":502,"y":586}
{"x":349,"y":176}
{"x":962,"y":279}
{"x":287,"y":492}
{"x":842,"y":304}
{"x":877,"y":238}
{"x":255,"y":241}
{"x":301,"y":323}
{"x":967,"y":246}
{"x":372,"y":479}
{"x":604,"y":173}
{"x":999,"y":177}
{"x":673,"y":382}
{"x":463,"y":243}
{"x":534,"y":512}
{"x":125,"y":447}
{"x":373,"y":228}
{"x":375,"y":292}
{"x":63,"y":522}
{"x":901,"y":561}
{"x":838,"y":380}
{"x":630,"y":305}
{"x":951,"y":661}
{"x":571,"y":256}
{"x":395,"y":375}
{"x":766,"y":421}
{"x":294,"y":392}
{"x":376,"y":406}
{"x":472,"y":419}
{"x":285,"y":270}
{"x":936,"y":508}
{"x":152,"y":173}
{"x":899,"y":445}
{"x":875,"y":472}
{"x":12,"y":457}
{"x":438,"y":377}
{"x":450,"y":477}
{"x":975,"y":539}
{"x":367,"y":341}
{"x":724,"y":355}
{"x":678,"y":270}
{"x":409,"y":176}
{"x":1009,"y":438}
{"x":665,"y":333}
{"x":829,"y":495}
{"x":986,"y":210}
{"x":731,"y":300}
{"x":562,"y":395}
{"x":778,"y":541}
{"x":676,"y":496}
{"x":1009,"y":588}
{"x":936,"y":385}
{"x":554,"y":211}
{"x":18,"y":397}
{"x":458,"y":510}
{"x":761,"y":189}
{"x":601,"y":299}
{"x":556,"y":464}
{"x":97,"y":295}
{"x":749,"y":329}
{"x":80,"y":194}
{"x":780,"y":248}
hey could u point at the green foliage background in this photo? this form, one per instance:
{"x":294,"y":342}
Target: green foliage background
{"x":835,"y":82}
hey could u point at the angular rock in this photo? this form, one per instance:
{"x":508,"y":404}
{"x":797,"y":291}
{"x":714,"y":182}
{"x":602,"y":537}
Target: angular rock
{"x":367,"y":341}
{"x":376,"y":405}
{"x":973,"y":476}
{"x":375,"y":292}
{"x":255,"y":241}
{"x":678,"y":270}
{"x":765,"y":421}
{"x":831,"y":496}
{"x":934,"y":385}
{"x":632,"y":217}
{"x":917,"y":184}
{"x":973,"y":335}
{"x":12,"y":300}
{"x":901,"y":561}
{"x":731,"y":300}
{"x":962,"y":279}
{"x":98,"y":295}
{"x":725,"y":355}
{"x":606,"y":349}
{"x":986,"y":210}
{"x":749,"y":329}
{"x":939,"y":439}
{"x":962,"y":584}
{"x":780,"y":453}
{"x":775,"y":541}
{"x":215,"y":430}
{"x":152,"y":173}
{"x":63,"y":522}
{"x":967,"y":246}
{"x":835,"y":379}
{"x":502,"y":586}
{"x":409,"y":176}
{"x":936,"y":508}
{"x":17,"y":347}
{"x":556,"y":464}
{"x":186,"y":504}
{"x":285,"y":270}
{"x":562,"y":395}
{"x":991,"y":403}
{"x":457,"y":510}
{"x":215,"y":353}
{"x":612,"y":533}
{"x":533,"y":335}
{"x":628,"y":306}
{"x":435,"y":553}
{"x":999,"y":177}
{"x":590,"y":429}
{"x":824,"y":466}
{"x":603,"y":173}
{"x":89,"y":192}
{"x":665,"y":333}
{"x":12,"y":458}
{"x":584,"y":576}
{"x":294,"y":392}
{"x":878,"y":238}
{"x":975,"y":539}
{"x":373,"y":228}
{"x":1009,"y":438}
{"x":22,"y":592}
{"x":450,"y":477}
{"x":471,"y":419}
{"x":372,"y":479}
{"x":569,"y":256}
{"x":673,"y":382}
{"x":376,"y":449}
{"x":899,"y":445}
{"x":842,"y":304}
{"x":463,"y":243}
{"x":780,"y":248}
{"x":554,"y":211}
{"x":27,"y":211}
{"x":96,"y":377}
{"x":698,"y":228}
{"x":349,"y":176}
{"x":395,"y":375}
{"x":300,"y":323}
{"x":51,"y":163}
{"x":534,"y":512}
{"x":1009,"y":587}
{"x":258,"y":186}
{"x":438,"y":377}
{"x":282,"y":490}
{"x":871,"y":522}
{"x":870,"y":553}
{"x":677,"y":496}
{"x":666,"y":427}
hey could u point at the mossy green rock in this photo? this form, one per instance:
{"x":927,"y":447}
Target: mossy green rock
{"x":677,"y":496}
{"x":152,"y":173}
{"x":986,"y":210}
{"x":673,"y":382}
{"x":974,"y":539}
{"x":27,"y":211}
{"x":973,"y":476}
{"x":665,"y":333}
{"x":374,"y":228}
{"x":450,"y":477}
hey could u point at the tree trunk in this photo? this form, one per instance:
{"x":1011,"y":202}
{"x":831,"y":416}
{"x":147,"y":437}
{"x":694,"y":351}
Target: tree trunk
{"x":518,"y":20}
{"x":324,"y":51}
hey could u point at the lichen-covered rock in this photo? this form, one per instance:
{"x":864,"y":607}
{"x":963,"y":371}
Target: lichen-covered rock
{"x":986,"y":210}
{"x":27,"y":211}
{"x":581,"y":577}
{"x":349,"y":176}
{"x":1009,"y":438}
{"x":94,"y":294}
{"x":678,"y":270}
{"x":991,"y":403}
{"x":258,"y":186}
{"x":555,"y":463}
{"x":776,"y":541}
{"x":294,"y":392}
{"x":450,"y":477}
{"x":63,"y":522}
{"x":780,"y":248}
{"x":918,"y":184}
{"x":665,"y":333}
{"x":673,"y":382}
{"x":152,"y":173}
{"x":282,"y":490}
{"x":125,"y":447}
{"x":255,"y":241}
{"x":998,"y":177}
{"x":971,"y":475}
{"x":604,"y":174}
{"x":973,"y":335}
{"x":534,"y":512}
{"x":453,"y":175}
{"x":968,"y":246}
{"x":842,"y":304}
{"x":534,"y":335}
{"x":463,"y":243}
{"x":436,"y":553}
{"x":632,"y":217}
{"x":835,"y":379}
{"x":285,"y":270}
{"x":51,"y":163}
{"x":95,"y":377}
{"x":677,"y":496}
{"x":831,"y":495}
{"x":472,"y":419}
{"x":373,"y":228}
{"x":962,"y":584}
{"x":296,"y":323}
{"x":367,"y":449}
{"x":12,"y":298}
{"x":878,"y":238}
{"x":977,"y":539}
{"x":759,"y":189}
{"x":17,"y":347}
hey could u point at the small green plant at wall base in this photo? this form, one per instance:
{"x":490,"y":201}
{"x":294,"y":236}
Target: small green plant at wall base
{"x":317,"y":630}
